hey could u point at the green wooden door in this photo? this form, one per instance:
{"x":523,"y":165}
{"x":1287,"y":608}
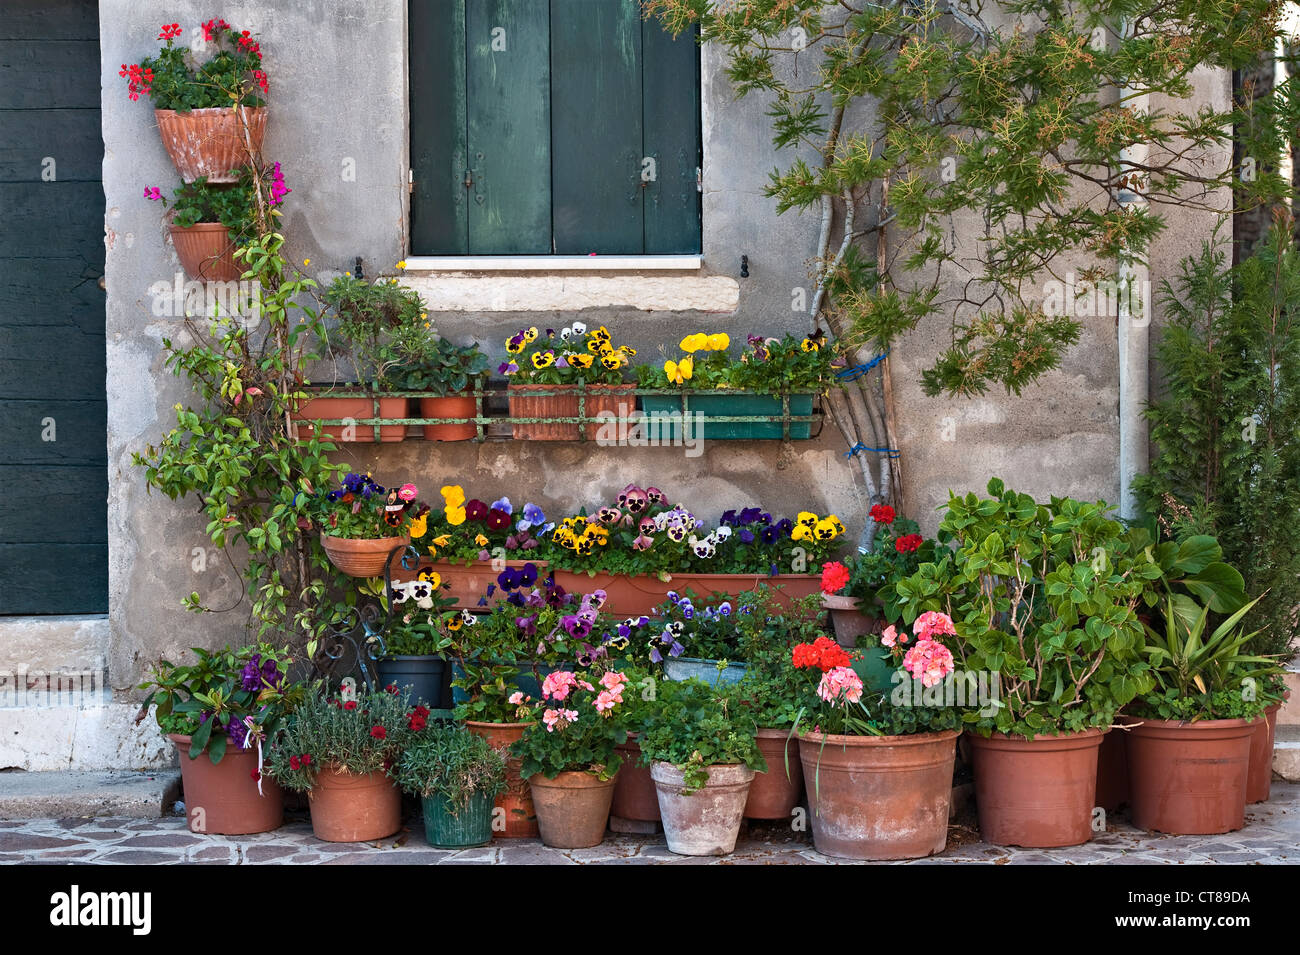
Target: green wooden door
{"x":53,"y":423}
{"x":538,"y":126}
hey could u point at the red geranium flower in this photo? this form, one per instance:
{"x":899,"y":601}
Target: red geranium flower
{"x":908,"y":543}
{"x":834,"y":576}
{"x":170,"y":31}
{"x":378,"y":732}
{"x":882,"y":514}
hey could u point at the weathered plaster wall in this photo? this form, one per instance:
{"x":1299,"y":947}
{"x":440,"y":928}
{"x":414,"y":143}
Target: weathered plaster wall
{"x":338,"y":102}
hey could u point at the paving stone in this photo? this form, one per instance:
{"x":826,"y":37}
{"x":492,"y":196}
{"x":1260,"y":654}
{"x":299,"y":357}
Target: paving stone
{"x":268,"y":853}
{"x":139,"y":857}
{"x":13,"y":841}
{"x":166,"y":840}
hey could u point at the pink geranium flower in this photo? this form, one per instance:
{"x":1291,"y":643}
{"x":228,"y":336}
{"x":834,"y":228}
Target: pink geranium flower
{"x":929,"y":661}
{"x":840,"y":685}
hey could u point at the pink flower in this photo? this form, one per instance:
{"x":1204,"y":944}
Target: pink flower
{"x":517,"y":697}
{"x":550,"y":718}
{"x":153,"y":193}
{"x":558,"y":685}
{"x":408,"y":492}
{"x":840,"y":685}
{"x":607,"y":701}
{"x":931,"y":623}
{"x":929,"y":661}
{"x":613,"y":681}
{"x":888,"y":637}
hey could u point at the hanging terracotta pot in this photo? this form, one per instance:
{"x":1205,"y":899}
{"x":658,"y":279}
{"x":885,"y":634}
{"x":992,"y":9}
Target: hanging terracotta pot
{"x":362,"y":557}
{"x":775,"y":793}
{"x":634,"y":790}
{"x":1189,"y":778}
{"x":1037,"y":793}
{"x":849,"y":622}
{"x":705,"y":822}
{"x":879,"y":797}
{"x":516,"y":800}
{"x":206,"y":252}
{"x":223,"y":799}
{"x":211,"y":142}
{"x":327,"y":408}
{"x":449,"y":406}
{"x":572,"y":809}
{"x":354,"y":808}
{"x":1260,"y":782}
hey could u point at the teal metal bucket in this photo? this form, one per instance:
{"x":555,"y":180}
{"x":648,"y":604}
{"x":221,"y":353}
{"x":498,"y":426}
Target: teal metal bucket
{"x":725,"y":405}
{"x":470,"y":826}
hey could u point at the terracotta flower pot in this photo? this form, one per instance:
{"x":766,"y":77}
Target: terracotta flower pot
{"x":775,"y":793}
{"x":615,"y":401}
{"x":1112,"y":771}
{"x":707,"y":821}
{"x":1038,"y":793}
{"x":634,"y":790}
{"x":516,"y":800}
{"x":206,"y":252}
{"x":634,"y":596}
{"x":879,"y":797}
{"x":1260,"y":782}
{"x":223,"y":799}
{"x":363,"y":557}
{"x":450,"y":406}
{"x":325,"y":408}
{"x":849,"y":622}
{"x":1189,"y":778}
{"x":572,"y":809}
{"x":524,"y":402}
{"x":210,"y":142}
{"x":467,"y":583}
{"x":351,"y":808}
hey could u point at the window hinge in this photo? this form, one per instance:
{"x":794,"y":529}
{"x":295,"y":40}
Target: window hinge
{"x":468,"y":183}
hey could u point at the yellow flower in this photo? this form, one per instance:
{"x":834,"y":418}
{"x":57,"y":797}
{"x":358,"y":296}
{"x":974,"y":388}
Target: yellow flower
{"x":809,"y":345}
{"x":596,"y":346}
{"x":627,"y":350}
{"x":800,"y":532}
{"x":693,"y":343}
{"x":543,"y":359}
{"x":455,"y":516}
{"x":808,"y":519}
{"x":825,"y":530}
{"x":836,"y":523}
{"x":433,"y":577}
{"x":515,"y":345}
{"x":718,"y":342}
{"x":420,"y":526}
{"x":679,"y":372}
{"x":455,"y":622}
{"x":600,"y":335}
{"x":480,"y":540}
{"x":306,"y":261}
{"x":442,"y":540}
{"x":453,"y":495}
{"x":611,"y":360}
{"x":579,"y":360}
{"x":530,"y":336}
{"x":402,"y":264}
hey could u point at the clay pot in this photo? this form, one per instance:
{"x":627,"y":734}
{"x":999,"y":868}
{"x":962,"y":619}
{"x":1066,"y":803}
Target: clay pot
{"x":572,"y":809}
{"x":516,"y":800}
{"x":210,"y":142}
{"x":613,"y":401}
{"x":634,"y":596}
{"x":1038,"y":793}
{"x":326,"y":408}
{"x":707,"y":821}
{"x":775,"y":793}
{"x":363,"y":557}
{"x":222,"y":799}
{"x":525,"y":402}
{"x":466,"y":582}
{"x":206,"y":252}
{"x":450,"y":406}
{"x":352,"y":808}
{"x":1112,"y":771}
{"x":849,"y":622}
{"x":879,"y":797}
{"x":1189,"y":778}
{"x":634,"y":790}
{"x":1260,"y":781}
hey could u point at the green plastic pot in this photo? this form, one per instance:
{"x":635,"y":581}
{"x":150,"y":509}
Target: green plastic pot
{"x":876,"y":668}
{"x":471,"y":826}
{"x":727,"y":405}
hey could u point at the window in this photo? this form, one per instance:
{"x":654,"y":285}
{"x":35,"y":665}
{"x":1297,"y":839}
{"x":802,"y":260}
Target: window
{"x":544,"y":127}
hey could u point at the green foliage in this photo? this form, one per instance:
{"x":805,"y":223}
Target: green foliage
{"x":453,"y":763}
{"x":695,"y":726}
{"x":1044,"y":596}
{"x":444,"y":368}
{"x":205,"y":699}
{"x":384,"y":328}
{"x":226,"y":78}
{"x":765,"y":365}
{"x":1227,"y":460}
{"x":873,"y":575}
{"x":577,"y":726}
{"x":361,"y":735}
{"x":234,"y":205}
{"x":771,"y":693}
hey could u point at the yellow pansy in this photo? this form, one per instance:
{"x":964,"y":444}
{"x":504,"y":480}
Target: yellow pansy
{"x":718,"y":342}
{"x":543,"y":359}
{"x":601,"y":335}
{"x":453,"y":495}
{"x":530,"y":336}
{"x":693,"y":343}
{"x":480,"y":540}
{"x":612,"y":360}
{"x":579,"y":360}
{"x":800,"y":532}
{"x":420,"y":526}
{"x":809,"y":345}
{"x":627,"y":350}
{"x":807,"y":519}
{"x":826,"y":530}
{"x":455,"y":516}
{"x":432,"y":576}
{"x":836,"y":523}
{"x":679,"y":371}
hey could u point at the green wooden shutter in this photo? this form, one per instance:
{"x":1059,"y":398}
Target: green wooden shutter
{"x":439,"y":164}
{"x":509,"y":70}
{"x":671,"y":109}
{"x":596,"y":127}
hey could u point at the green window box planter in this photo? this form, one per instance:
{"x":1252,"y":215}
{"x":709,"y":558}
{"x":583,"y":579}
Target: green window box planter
{"x":713,"y":406}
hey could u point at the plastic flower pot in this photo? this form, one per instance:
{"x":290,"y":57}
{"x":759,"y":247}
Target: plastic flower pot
{"x":428,"y":677}
{"x":879,"y":797}
{"x":516,"y":800}
{"x":206,"y":252}
{"x":1189,"y":778}
{"x":694,"y":668}
{"x":572,"y":809}
{"x":707,"y":821}
{"x":211,"y":142}
{"x":354,"y":808}
{"x":326,"y":408}
{"x":724,"y":406}
{"x":775,"y":793}
{"x":223,"y":798}
{"x":362,"y":557}
{"x":1037,"y":793}
{"x":634,"y":790}
{"x":461,"y":827}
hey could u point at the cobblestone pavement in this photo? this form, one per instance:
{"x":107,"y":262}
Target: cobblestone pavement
{"x":1271,"y":836}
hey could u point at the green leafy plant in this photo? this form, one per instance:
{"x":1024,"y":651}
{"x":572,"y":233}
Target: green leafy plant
{"x":694,"y":726}
{"x":383,"y":327}
{"x":231,"y":76}
{"x":771,"y":693}
{"x":765,"y":365}
{"x":227,"y":697}
{"x":359,"y":734}
{"x":360,"y":509}
{"x":234,"y":205}
{"x":443,"y":368}
{"x":1044,"y":596}
{"x":452,"y":762}
{"x":576,"y":726}
{"x":900,"y":550}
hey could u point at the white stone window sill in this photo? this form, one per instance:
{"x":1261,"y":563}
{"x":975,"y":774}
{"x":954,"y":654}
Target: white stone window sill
{"x":552,"y":263}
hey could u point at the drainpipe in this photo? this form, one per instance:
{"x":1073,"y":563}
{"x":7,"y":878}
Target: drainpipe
{"x":1134,"y":320}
